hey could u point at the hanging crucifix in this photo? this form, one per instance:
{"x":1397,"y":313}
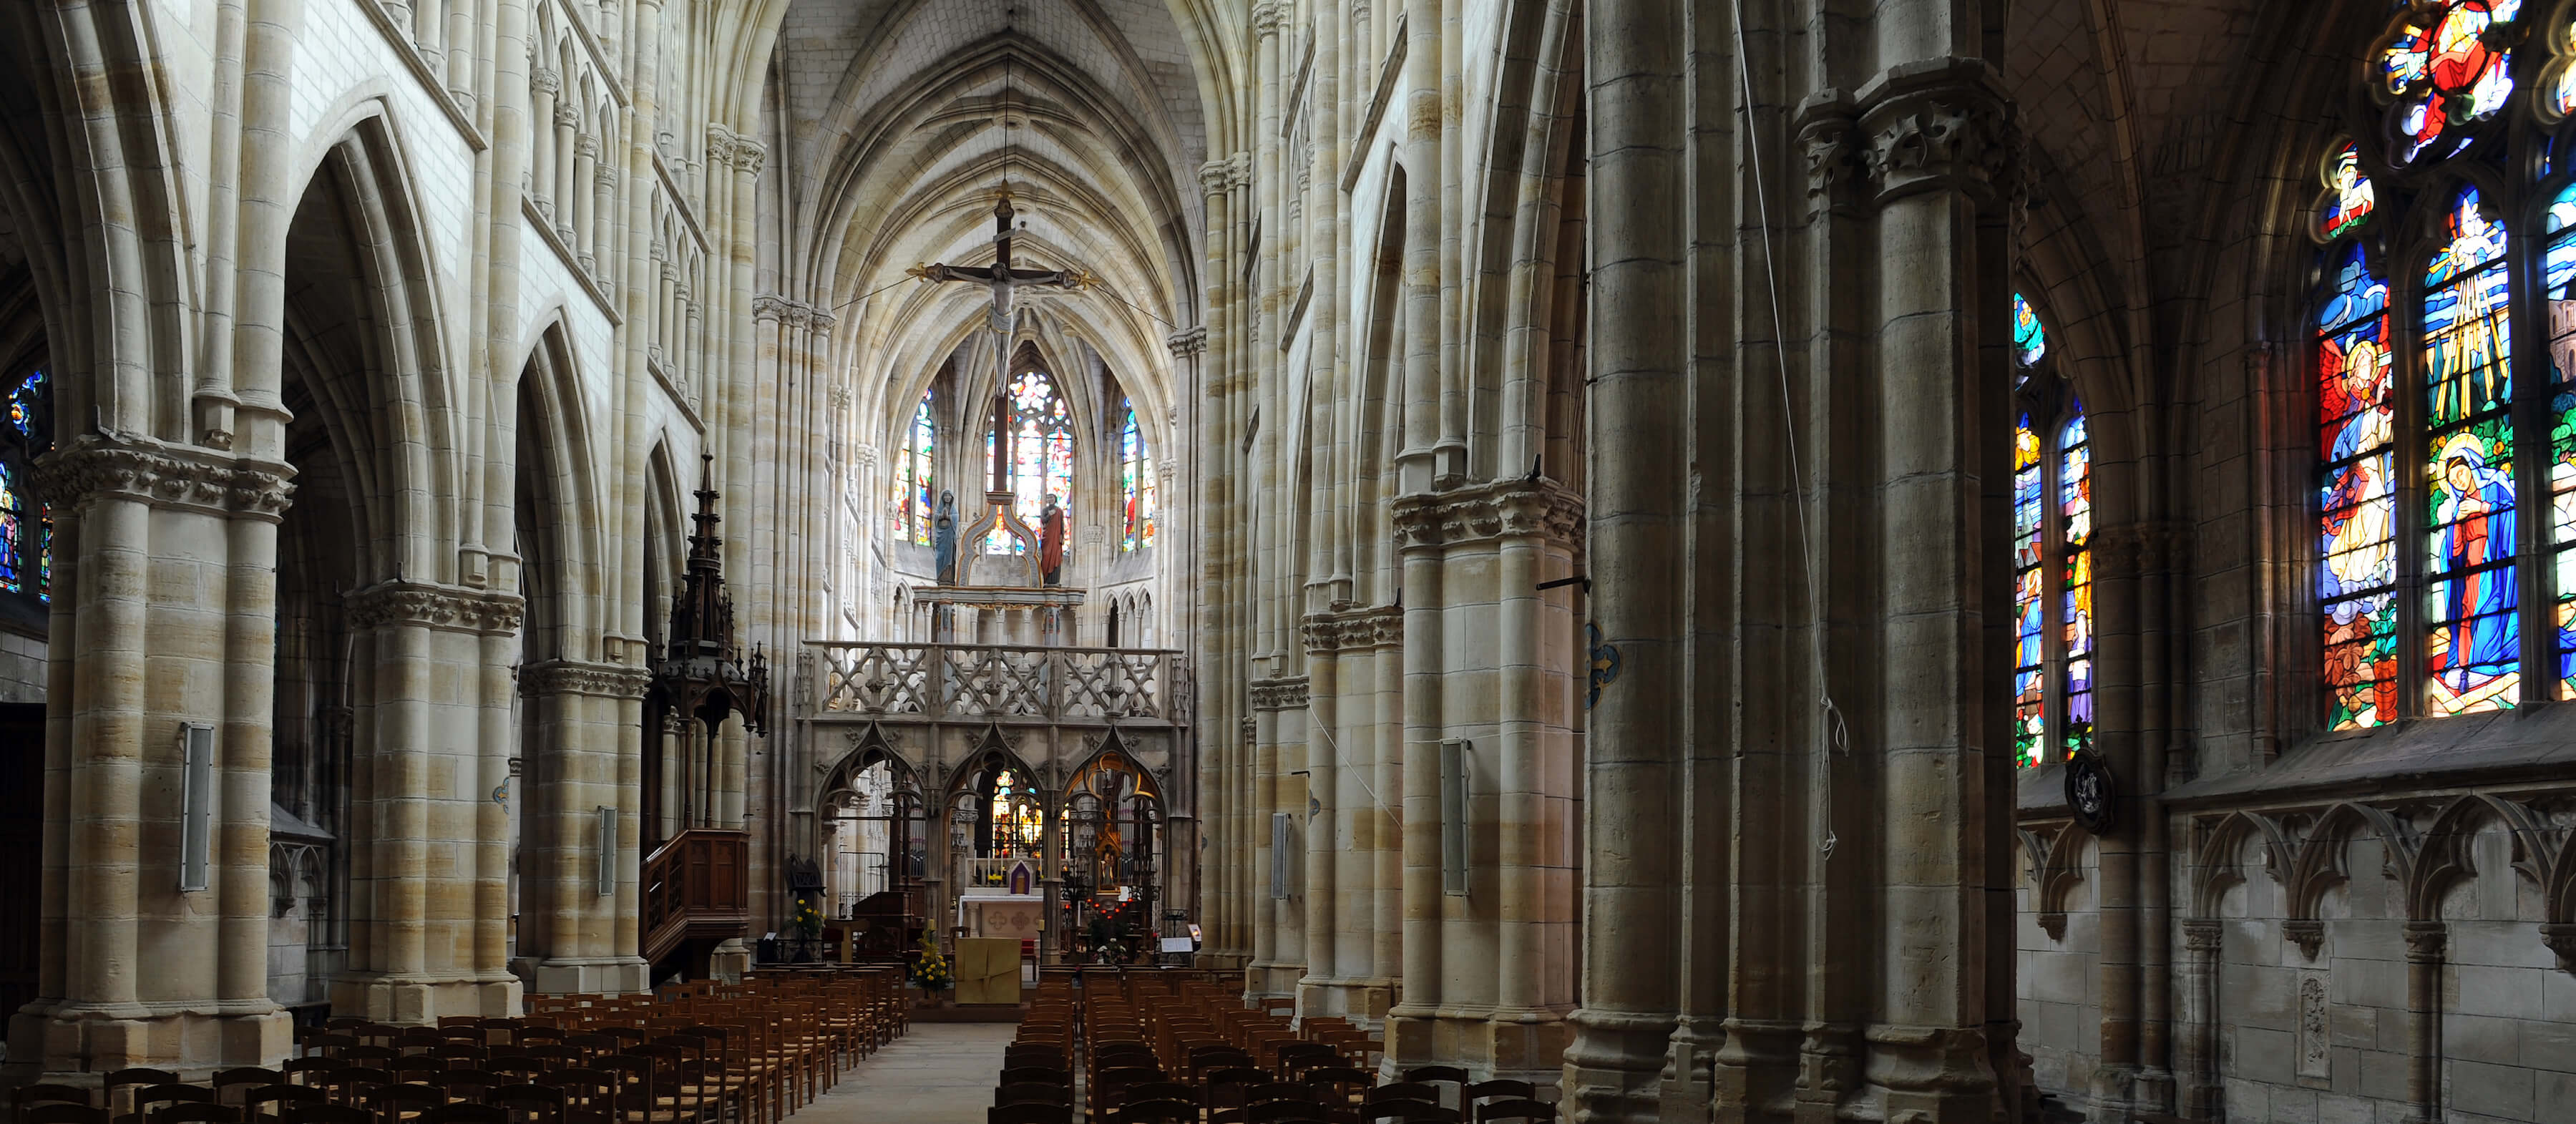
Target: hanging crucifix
{"x":1004,"y":281}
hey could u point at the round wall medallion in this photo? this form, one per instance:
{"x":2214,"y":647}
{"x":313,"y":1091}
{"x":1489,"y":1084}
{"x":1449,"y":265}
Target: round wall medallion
{"x":2091,"y":791}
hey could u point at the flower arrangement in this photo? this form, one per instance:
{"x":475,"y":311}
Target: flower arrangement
{"x":808,"y":919}
{"x":929,"y":968}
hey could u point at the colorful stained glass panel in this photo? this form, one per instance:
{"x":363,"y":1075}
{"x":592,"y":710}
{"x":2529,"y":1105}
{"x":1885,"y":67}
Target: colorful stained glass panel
{"x":2075,"y":503}
{"x":2357,"y":547}
{"x":2030,"y":340}
{"x":12,"y":524}
{"x":2447,"y":70}
{"x":2349,"y":195}
{"x":1041,"y":457}
{"x":2030,"y":691}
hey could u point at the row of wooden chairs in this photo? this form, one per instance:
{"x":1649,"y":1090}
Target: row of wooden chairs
{"x":738,"y":1054}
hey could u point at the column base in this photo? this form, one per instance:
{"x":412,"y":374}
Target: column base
{"x":729,"y":961}
{"x":423,"y":999}
{"x":76,"y":1044}
{"x":1520,"y":1045}
{"x":584,"y":975}
{"x":1933,"y":1075}
{"x":1361,"y":1000}
{"x":1272,"y":981}
{"x":1614,"y":1070}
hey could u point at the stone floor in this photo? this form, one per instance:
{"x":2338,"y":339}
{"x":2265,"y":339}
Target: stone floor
{"x":937,"y":1073}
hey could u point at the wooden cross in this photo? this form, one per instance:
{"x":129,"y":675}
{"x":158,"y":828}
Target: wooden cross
{"x":1003,"y":280}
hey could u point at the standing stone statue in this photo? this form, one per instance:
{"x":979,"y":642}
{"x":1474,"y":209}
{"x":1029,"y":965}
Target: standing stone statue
{"x":1051,"y":541}
{"x":943,"y":538}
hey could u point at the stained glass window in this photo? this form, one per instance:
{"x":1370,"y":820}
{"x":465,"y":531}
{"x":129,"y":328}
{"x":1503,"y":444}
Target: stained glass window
{"x":915,"y":498}
{"x":2473,"y":652}
{"x":13,"y":576}
{"x":26,"y":531}
{"x":2558,"y":278}
{"x":2444,"y":70}
{"x":2349,"y":194}
{"x":1041,"y":457}
{"x":2030,"y":601}
{"x":2357,"y":544}
{"x":2030,"y":341}
{"x":2075,"y":507}
{"x":1136,"y":486}
{"x":1018,"y":824}
{"x":2052,"y":555}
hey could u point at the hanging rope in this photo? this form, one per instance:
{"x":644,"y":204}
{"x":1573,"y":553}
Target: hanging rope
{"x":1838,"y":733}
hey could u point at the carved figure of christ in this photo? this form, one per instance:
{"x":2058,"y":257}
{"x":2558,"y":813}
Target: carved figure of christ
{"x":1003,"y":280}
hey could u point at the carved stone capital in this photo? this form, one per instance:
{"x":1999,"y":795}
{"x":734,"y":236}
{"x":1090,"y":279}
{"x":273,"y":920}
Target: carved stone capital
{"x":2308,"y":934}
{"x":771,"y":306}
{"x":587,"y":144}
{"x":2201,"y":934}
{"x":1829,"y":136}
{"x":1516,"y":508}
{"x":545,"y":80}
{"x":1187,"y":342}
{"x":748,"y":155}
{"x":446,"y":608}
{"x":567,"y":115}
{"x":574,"y":677}
{"x":1267,"y":16}
{"x":2426,"y":941}
{"x":1287,"y":693}
{"x":1940,"y":126}
{"x":1239,"y":170}
{"x":1351,"y":630}
{"x":2560,"y":937}
{"x":176,"y":477}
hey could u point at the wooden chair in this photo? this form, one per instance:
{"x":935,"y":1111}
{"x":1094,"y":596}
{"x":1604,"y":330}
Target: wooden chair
{"x":30,"y":1096}
{"x":1033,"y":1092}
{"x":149,"y":1096}
{"x":1497,"y":1089}
{"x":280,"y":1095}
{"x":1019,"y":1074}
{"x":1029,"y":1114}
{"x":1269,"y":1091}
{"x":465,"y":1114}
{"x":1521,"y":1108}
{"x":1404,"y":1091}
{"x":1159,"y":1112}
{"x":1285,"y":1112}
{"x":226,"y":1081}
{"x":394,"y":1104}
{"x":195,"y":1112}
{"x":114,"y":1087}
{"x":62,"y":1113}
{"x":527,"y":1104}
{"x":326,"y":1114}
{"x":1409,"y":1111}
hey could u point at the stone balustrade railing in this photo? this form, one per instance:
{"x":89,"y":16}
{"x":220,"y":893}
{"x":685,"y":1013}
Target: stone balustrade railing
{"x":986,"y":681}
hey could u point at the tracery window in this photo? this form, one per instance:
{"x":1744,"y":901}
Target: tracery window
{"x":1136,"y":486}
{"x":915,"y":506}
{"x":26,"y":529}
{"x":1041,"y":456}
{"x":2426,"y":232}
{"x":2052,"y":551}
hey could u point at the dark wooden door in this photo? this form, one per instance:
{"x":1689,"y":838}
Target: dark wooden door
{"x":22,"y":827}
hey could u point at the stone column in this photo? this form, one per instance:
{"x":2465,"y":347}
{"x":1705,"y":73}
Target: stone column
{"x":1326,"y":834}
{"x":421,"y":808}
{"x":1636,"y":539}
{"x":2203,"y":1098}
{"x":543,"y":84}
{"x":160,"y":587}
{"x":568,"y":934}
{"x":1943,"y":141}
{"x":2426,"y":942}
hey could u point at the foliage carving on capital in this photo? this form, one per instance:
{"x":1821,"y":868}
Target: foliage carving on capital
{"x":574,"y":677}
{"x":1515,"y":508}
{"x":545,"y":80}
{"x":1187,"y":342}
{"x":567,"y":115}
{"x":1837,"y":160}
{"x":1288,"y":693}
{"x":2201,"y":934}
{"x":170,"y":476}
{"x":1267,"y":16}
{"x":400,"y":603}
{"x":2426,"y":941}
{"x":1954,"y":134}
